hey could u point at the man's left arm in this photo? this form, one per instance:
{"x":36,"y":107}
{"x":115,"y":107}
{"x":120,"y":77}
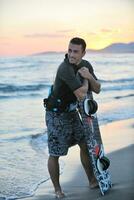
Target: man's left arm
{"x":94,"y":84}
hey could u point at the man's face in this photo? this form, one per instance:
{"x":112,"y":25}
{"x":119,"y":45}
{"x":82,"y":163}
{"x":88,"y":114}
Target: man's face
{"x":75,"y":53}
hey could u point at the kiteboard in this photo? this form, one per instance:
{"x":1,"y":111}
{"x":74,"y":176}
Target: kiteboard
{"x":100,"y":163}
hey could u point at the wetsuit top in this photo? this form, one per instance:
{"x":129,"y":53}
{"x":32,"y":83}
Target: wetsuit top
{"x":66,"y":82}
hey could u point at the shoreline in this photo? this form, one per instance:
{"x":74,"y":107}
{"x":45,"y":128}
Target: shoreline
{"x":117,"y":138}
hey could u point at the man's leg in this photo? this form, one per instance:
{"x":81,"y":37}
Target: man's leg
{"x":53,"y":168}
{"x":84,"y":155}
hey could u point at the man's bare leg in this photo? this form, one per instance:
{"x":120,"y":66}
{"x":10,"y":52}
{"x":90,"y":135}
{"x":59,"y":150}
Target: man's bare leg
{"x":84,"y":155}
{"x":53,"y":168}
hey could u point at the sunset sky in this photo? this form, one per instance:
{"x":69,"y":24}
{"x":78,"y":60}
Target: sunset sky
{"x":30,"y":26}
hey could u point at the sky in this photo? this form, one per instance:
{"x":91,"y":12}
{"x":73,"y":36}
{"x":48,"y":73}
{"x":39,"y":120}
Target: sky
{"x":31,"y":26}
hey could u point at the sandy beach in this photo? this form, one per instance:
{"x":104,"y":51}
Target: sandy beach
{"x":118,"y":142}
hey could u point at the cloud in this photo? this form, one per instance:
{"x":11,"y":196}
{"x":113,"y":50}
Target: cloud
{"x":44,"y":35}
{"x":57,"y":34}
{"x":106,"y":30}
{"x":66,"y":31}
{"x":92,"y":33}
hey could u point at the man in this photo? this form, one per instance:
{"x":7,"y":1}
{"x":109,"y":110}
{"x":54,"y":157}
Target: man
{"x":62,"y":119}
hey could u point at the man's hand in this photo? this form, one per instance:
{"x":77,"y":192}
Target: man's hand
{"x":94,"y":84}
{"x":84,"y":72}
{"x":81,"y":92}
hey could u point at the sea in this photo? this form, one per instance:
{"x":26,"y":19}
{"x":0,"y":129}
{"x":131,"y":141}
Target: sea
{"x":24,"y":83}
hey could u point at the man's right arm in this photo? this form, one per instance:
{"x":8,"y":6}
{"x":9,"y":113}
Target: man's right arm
{"x":81,"y":92}
{"x":66,"y":74}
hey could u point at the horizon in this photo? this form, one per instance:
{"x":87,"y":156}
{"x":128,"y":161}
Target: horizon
{"x":29,"y":27}
{"x":96,"y":49}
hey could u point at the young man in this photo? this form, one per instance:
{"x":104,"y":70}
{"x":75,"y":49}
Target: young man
{"x":62,"y":119}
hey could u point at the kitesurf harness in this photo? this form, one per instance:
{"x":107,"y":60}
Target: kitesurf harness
{"x":57,"y":104}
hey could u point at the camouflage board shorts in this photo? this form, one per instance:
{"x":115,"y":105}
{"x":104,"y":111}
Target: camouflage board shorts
{"x":64,"y":130}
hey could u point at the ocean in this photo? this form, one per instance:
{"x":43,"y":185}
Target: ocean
{"x":24,"y":82}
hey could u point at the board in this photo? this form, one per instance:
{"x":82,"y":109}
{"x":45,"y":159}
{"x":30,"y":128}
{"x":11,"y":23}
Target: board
{"x":100,"y":162}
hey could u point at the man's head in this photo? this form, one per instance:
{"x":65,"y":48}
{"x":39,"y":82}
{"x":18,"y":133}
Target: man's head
{"x":76,"y":50}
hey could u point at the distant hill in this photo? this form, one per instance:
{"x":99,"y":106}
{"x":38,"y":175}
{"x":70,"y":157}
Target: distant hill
{"x":113,"y":48}
{"x":116,"y":48}
{"x":46,"y":52}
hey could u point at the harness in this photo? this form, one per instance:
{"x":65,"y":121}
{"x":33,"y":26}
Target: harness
{"x":58,"y":105}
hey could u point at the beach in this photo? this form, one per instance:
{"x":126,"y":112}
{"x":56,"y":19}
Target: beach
{"x":118,"y":143}
{"x":25,"y":82}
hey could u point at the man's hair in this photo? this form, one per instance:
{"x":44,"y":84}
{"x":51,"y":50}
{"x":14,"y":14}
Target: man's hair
{"x":79,"y":41}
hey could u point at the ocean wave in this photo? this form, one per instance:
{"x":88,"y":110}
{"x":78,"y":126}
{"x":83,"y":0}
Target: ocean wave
{"x":26,"y":63}
{"x":123,"y":80}
{"x":20,"y":96}
{"x":39,"y":136}
{"x":10,"y":88}
{"x":117,"y":88}
{"x":125,"y":96}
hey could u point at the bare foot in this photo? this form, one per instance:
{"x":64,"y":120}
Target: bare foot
{"x":59,"y":195}
{"x":94,"y":185}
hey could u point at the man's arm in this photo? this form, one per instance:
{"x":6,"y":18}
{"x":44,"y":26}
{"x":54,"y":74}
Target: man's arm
{"x":81,"y":92}
{"x":68,"y":76}
{"x":94,"y":84}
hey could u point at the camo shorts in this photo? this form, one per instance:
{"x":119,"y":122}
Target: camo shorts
{"x":64,"y":130}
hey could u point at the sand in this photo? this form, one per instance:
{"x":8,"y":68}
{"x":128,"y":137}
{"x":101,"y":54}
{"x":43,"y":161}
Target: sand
{"x":118,"y":138}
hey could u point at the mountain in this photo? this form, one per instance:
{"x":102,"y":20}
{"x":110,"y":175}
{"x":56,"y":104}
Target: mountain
{"x":116,"y":48}
{"x":46,"y":52}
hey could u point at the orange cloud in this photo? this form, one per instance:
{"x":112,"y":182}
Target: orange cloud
{"x":44,"y":35}
{"x":105,"y":30}
{"x":66,"y":31}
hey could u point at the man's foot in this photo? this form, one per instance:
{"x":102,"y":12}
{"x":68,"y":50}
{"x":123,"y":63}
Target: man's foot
{"x":94,"y":183}
{"x":59,"y":195}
